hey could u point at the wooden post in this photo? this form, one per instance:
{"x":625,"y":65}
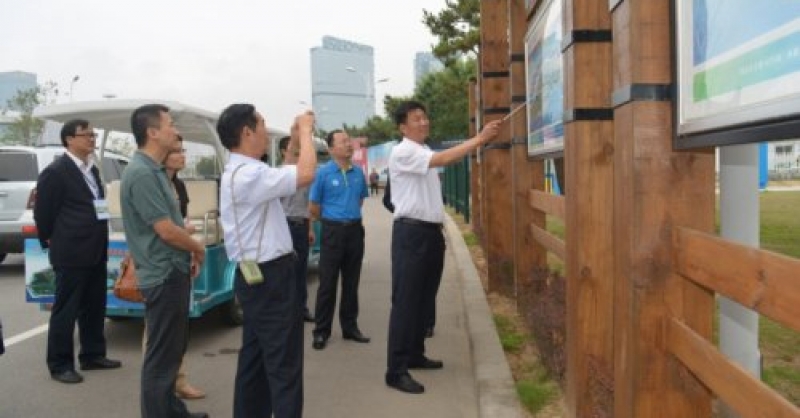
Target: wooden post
{"x":589,"y":167}
{"x":655,"y":190}
{"x":526,"y":175}
{"x":495,"y":102}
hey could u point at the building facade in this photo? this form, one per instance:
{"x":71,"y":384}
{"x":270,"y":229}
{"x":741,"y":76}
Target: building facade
{"x":342,"y":83}
{"x":424,"y":64}
{"x":13,"y":81}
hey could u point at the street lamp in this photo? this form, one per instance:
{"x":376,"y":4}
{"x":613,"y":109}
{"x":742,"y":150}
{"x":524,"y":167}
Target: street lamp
{"x":72,"y":85}
{"x":368,"y":89}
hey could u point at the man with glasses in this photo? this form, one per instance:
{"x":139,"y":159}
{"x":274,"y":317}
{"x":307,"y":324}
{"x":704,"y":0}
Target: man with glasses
{"x":72,"y":222}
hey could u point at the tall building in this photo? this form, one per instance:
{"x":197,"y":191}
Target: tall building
{"x":424,"y":64}
{"x":13,"y":81}
{"x":342,"y":83}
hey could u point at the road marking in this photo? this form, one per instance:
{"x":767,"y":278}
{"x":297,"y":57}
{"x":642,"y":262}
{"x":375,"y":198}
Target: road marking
{"x":26,"y":335}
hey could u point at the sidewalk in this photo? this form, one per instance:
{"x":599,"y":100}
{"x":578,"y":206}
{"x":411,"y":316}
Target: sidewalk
{"x":346,"y":379}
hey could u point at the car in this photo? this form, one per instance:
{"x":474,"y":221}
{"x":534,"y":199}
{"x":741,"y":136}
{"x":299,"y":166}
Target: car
{"x":19,"y":168}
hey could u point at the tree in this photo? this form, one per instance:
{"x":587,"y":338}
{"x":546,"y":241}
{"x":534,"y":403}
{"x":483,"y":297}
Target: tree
{"x":26,"y":128}
{"x":458,"y":28}
{"x":206,"y":167}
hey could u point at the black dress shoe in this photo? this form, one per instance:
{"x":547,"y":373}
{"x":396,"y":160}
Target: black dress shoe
{"x":356,"y":336}
{"x":319,"y":342}
{"x":307,"y":317}
{"x":405,"y":383}
{"x":198,"y":415}
{"x":425,"y":364}
{"x":101,"y":363}
{"x":67,"y":376}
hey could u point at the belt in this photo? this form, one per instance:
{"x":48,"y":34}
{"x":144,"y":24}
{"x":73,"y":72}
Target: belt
{"x":349,"y":222}
{"x":417,"y":222}
{"x":296,"y":220}
{"x":288,"y":256}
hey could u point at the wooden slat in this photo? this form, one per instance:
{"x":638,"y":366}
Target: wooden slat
{"x":758,"y":279}
{"x":750,"y":397}
{"x":549,"y":241}
{"x":547,"y":203}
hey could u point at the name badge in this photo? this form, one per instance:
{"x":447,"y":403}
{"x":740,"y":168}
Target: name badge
{"x":101,"y":209}
{"x":251,"y":272}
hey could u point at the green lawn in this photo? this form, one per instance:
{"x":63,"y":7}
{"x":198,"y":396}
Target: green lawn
{"x":780,"y":346}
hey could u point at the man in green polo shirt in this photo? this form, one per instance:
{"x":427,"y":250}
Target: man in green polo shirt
{"x":166,"y":258}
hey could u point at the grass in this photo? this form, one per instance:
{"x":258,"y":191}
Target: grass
{"x":534,"y":387}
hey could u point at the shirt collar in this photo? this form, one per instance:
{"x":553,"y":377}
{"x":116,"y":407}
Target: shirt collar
{"x":149,"y":162}
{"x":87,"y":166}
{"x":237,"y":158}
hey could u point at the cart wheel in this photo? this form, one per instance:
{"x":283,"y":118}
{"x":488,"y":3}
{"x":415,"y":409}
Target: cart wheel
{"x":232,"y":312}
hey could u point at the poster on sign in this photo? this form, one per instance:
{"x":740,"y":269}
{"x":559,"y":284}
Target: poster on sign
{"x":738,"y":71}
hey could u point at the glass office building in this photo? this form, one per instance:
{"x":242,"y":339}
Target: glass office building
{"x":13,"y":81}
{"x":424,"y":64}
{"x":342,"y":83}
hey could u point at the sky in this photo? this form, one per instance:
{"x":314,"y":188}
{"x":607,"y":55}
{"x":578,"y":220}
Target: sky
{"x":206,"y":53}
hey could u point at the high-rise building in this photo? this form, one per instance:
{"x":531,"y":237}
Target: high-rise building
{"x":13,"y":81}
{"x":342,"y":83}
{"x":424,"y":64}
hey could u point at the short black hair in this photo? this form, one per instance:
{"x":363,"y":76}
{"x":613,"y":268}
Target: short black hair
{"x":147,"y":116}
{"x":233,"y":120}
{"x":329,"y":137}
{"x":71,"y":128}
{"x":283,"y":144}
{"x":404,"y":108}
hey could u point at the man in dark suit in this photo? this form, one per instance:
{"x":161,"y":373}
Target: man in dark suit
{"x":72,"y":219}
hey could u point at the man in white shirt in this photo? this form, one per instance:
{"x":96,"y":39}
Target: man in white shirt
{"x":417,"y":240}
{"x":269,"y":375}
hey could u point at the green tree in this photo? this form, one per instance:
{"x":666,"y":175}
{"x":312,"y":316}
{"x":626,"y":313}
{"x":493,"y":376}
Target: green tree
{"x":206,"y":167}
{"x":457,"y":28}
{"x":445,"y":95}
{"x":26,"y":128}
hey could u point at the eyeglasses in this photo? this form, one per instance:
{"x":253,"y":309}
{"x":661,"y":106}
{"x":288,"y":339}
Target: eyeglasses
{"x":87,"y":135}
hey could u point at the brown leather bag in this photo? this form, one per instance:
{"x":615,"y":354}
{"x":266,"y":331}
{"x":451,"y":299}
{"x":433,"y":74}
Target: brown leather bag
{"x":126,"y":287}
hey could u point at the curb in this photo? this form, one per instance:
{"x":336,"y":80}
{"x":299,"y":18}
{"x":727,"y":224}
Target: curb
{"x":497,"y":395}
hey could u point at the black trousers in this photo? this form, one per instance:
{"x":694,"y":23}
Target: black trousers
{"x":299,"y":231}
{"x":417,"y":265}
{"x":269,"y":374}
{"x":80,"y":296}
{"x":167,"y":318}
{"x":341,"y":251}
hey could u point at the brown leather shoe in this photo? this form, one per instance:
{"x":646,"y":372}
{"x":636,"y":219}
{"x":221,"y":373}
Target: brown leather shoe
{"x":189,"y":392}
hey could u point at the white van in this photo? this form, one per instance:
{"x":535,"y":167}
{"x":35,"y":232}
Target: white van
{"x":19,"y":168}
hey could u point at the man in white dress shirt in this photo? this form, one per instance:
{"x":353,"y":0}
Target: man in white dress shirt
{"x":417,"y":240}
{"x":269,"y":375}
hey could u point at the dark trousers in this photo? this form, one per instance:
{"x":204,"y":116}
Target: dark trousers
{"x":167,"y":317}
{"x":269,"y":374}
{"x":417,"y":264}
{"x":299,"y":231}
{"x":342,"y":250}
{"x":80,"y":296}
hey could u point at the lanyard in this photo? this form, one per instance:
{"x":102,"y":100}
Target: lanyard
{"x":88,"y":177}
{"x":236,"y":220}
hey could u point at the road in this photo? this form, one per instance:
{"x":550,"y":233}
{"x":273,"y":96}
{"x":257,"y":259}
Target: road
{"x":344,"y":380}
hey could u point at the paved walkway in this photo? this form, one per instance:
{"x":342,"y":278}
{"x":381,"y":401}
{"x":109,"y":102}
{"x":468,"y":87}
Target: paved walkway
{"x":346,"y":378}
